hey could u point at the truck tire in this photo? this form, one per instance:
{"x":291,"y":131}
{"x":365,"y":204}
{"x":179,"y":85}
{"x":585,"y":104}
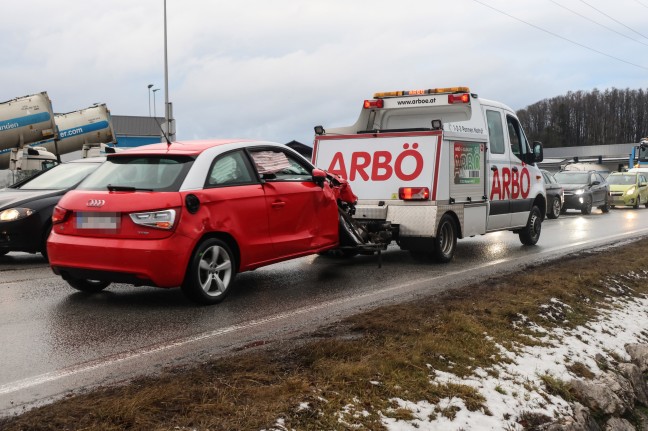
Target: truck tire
{"x":530,"y":234}
{"x":445,"y":241}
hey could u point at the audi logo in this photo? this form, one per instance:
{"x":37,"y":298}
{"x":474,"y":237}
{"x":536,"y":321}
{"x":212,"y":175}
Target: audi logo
{"x":96,"y":203}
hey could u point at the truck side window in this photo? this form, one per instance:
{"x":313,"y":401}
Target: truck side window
{"x":517,"y":139}
{"x":495,"y":132}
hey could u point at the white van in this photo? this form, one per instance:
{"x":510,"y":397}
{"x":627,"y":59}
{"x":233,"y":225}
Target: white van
{"x":439,"y":164}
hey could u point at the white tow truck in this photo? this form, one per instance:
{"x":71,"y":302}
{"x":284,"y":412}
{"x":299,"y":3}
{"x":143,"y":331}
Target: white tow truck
{"x":431,"y":166}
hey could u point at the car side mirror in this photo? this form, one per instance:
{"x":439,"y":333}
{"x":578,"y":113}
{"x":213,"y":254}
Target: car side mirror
{"x":319,"y":176}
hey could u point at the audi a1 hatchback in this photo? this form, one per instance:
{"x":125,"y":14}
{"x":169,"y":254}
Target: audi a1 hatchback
{"x":192,"y":214}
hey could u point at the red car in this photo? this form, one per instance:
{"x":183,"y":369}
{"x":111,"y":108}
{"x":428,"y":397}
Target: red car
{"x":193,"y":214}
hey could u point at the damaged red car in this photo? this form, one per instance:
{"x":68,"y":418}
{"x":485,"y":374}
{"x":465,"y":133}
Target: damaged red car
{"x":194,"y":214}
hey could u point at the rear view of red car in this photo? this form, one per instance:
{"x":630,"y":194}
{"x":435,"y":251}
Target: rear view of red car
{"x":192,"y":214}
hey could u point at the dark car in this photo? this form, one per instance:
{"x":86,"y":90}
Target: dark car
{"x":555,"y":195}
{"x":584,"y":191}
{"x":26,"y":207}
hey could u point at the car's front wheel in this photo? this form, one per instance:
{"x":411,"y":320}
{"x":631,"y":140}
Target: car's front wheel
{"x":554,"y":213}
{"x":586,"y":208}
{"x":210,"y":273}
{"x":637,"y":203}
{"x":85,"y":285}
{"x":530,"y":234}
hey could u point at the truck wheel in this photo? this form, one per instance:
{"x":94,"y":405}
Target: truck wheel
{"x":530,"y":234}
{"x":89,"y":286}
{"x":210,"y":272}
{"x":445,"y":242}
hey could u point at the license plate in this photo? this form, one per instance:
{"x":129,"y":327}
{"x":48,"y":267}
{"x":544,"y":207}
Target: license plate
{"x":100,"y":221}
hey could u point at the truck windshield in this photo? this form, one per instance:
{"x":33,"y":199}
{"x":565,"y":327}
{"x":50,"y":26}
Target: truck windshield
{"x":150,"y":173}
{"x":60,"y":177}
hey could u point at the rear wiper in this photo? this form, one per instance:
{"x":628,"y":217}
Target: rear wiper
{"x":113,"y":188}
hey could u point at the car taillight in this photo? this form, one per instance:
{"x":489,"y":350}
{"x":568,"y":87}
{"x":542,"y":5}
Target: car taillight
{"x":155,"y":219}
{"x":458,"y":98}
{"x":59,"y":215}
{"x":414,"y":193}
{"x":379,"y":103}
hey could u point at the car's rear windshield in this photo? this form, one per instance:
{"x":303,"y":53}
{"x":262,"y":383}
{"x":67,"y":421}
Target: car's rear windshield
{"x":578,"y":178}
{"x":59,"y":177}
{"x":626,"y":179}
{"x":154,"y":173}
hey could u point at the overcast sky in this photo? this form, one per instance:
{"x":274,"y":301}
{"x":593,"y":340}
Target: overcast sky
{"x":274,"y":69}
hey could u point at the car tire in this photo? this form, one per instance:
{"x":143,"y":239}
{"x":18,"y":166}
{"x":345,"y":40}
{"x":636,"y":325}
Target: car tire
{"x":46,"y":233}
{"x":637,"y":203}
{"x":445,"y":242}
{"x":586,"y":208}
{"x":556,"y":208}
{"x":606,"y":207}
{"x":530,"y":234}
{"x":210,"y":272}
{"x":88,"y":286}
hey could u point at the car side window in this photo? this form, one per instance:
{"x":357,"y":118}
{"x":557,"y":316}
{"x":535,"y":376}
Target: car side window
{"x":230,"y":169}
{"x":276,"y":165}
{"x":517,"y":140}
{"x":495,"y":132}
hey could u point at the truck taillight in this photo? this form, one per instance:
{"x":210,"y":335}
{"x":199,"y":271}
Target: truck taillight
{"x":379,"y":103}
{"x":414,"y":193}
{"x":59,"y":215}
{"x":458,"y":98}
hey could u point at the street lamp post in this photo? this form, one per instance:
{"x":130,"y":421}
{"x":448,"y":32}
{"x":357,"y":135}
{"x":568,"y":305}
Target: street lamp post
{"x":149,"y":88}
{"x":154,"y":112}
{"x":169,"y":128}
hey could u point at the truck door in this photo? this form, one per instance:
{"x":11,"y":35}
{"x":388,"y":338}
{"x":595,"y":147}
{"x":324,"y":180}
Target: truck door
{"x":520,"y":178}
{"x":499,"y":172}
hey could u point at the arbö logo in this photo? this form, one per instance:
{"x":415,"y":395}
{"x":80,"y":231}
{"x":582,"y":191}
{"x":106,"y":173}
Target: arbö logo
{"x":378,"y":166}
{"x":96,"y":203}
{"x":511,"y":185}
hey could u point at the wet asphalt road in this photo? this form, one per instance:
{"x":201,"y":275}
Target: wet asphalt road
{"x":54,"y":340}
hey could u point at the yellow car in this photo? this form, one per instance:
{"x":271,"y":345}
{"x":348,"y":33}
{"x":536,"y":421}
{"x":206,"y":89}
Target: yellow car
{"x":629,"y":189}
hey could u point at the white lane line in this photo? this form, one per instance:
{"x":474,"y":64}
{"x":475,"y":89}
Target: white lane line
{"x":86,"y":367}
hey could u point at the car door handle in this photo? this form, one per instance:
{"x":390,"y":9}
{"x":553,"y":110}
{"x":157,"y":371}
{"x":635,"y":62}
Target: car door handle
{"x":278,"y":204}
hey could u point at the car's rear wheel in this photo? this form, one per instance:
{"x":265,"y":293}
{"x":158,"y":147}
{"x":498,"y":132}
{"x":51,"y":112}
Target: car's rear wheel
{"x":210,"y":273}
{"x":555,"y":208}
{"x":530,"y":234}
{"x":85,"y":285}
{"x":586,"y":208}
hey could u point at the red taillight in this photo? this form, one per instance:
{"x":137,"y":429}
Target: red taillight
{"x":459,"y":98}
{"x":414,"y":193}
{"x":60,"y":215}
{"x":379,"y":103}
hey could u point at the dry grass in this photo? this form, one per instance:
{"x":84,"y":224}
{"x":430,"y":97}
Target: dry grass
{"x":344,"y":377}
